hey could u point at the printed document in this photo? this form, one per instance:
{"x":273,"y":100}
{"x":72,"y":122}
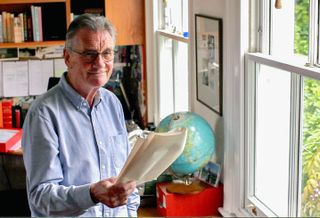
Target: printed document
{"x":153,"y":155}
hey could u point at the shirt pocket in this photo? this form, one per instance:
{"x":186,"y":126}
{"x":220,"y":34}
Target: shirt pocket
{"x":119,"y":145}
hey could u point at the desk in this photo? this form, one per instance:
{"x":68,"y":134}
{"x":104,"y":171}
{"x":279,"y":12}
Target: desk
{"x":12,"y":171}
{"x":15,"y":152}
{"x":12,"y":185}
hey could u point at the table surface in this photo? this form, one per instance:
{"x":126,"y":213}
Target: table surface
{"x":15,"y":152}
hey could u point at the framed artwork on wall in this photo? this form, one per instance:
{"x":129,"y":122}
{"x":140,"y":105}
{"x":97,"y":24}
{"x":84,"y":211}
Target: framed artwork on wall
{"x":208,"y":40}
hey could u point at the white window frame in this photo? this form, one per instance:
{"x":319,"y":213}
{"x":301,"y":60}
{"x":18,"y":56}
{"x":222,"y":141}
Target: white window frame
{"x":161,"y":32}
{"x":294,"y":186}
{"x":262,"y":44}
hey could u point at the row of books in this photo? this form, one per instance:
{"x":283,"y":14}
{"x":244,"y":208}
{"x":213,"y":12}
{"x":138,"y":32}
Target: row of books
{"x":21,"y":27}
{"x":13,"y":111}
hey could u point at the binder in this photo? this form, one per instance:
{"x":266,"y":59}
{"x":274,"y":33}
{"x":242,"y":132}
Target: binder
{"x":8,"y":138}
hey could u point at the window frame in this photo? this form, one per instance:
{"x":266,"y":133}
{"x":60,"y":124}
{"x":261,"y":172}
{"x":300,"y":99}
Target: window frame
{"x":176,"y":38}
{"x":295,"y":131}
{"x":259,"y":51}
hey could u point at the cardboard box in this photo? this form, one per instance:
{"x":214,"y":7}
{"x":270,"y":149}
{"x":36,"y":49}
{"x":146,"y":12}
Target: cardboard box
{"x":204,"y":203}
{"x":8,"y":138}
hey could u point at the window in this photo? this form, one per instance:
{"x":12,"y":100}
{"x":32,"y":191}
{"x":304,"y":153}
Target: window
{"x":172,"y":39}
{"x":283,"y":111}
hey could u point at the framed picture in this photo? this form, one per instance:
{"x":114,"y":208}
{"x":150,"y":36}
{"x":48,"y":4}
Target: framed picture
{"x":208,"y":36}
{"x":210,"y":173}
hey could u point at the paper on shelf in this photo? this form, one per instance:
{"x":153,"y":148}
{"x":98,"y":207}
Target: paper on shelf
{"x":15,"y":78}
{"x":39,"y":73}
{"x":152,"y":156}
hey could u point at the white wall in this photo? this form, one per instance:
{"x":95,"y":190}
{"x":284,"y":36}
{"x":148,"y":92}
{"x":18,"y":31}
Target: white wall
{"x":214,"y":8}
{"x":228,"y":129}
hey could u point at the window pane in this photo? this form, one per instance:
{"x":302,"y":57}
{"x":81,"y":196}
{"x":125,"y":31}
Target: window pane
{"x":290,"y":31}
{"x":301,"y":27}
{"x":282,"y":29}
{"x":173,"y":76}
{"x":175,"y":15}
{"x":310,"y":200}
{"x":272,"y":139}
{"x":165,"y":77}
{"x":181,"y":78}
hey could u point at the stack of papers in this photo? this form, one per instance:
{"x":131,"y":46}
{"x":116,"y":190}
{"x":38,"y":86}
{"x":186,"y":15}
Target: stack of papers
{"x":151,"y":156}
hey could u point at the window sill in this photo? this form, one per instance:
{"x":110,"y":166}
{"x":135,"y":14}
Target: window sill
{"x":174,"y":36}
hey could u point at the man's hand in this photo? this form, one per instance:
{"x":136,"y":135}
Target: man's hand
{"x":111,"y":193}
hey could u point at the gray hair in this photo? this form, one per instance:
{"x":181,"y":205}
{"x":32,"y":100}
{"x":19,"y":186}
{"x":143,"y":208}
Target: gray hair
{"x":91,"y":22}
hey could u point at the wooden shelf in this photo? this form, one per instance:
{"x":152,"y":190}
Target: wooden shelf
{"x":30,"y":44}
{"x":127,"y":16}
{"x":129,"y":20}
{"x":6,"y":2}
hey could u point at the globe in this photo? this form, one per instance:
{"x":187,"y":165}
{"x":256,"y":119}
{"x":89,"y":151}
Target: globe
{"x":200,"y":143}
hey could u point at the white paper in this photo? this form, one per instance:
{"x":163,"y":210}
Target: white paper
{"x":39,"y":73}
{"x":152,"y":156}
{"x":59,"y":67}
{"x":6,"y":134}
{"x":15,"y":78}
{"x":1,"y":82}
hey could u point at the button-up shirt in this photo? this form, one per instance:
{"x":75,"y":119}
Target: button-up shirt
{"x":67,"y":146}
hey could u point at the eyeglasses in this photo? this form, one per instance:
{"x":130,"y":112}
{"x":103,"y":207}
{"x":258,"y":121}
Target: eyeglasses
{"x":90,"y":56}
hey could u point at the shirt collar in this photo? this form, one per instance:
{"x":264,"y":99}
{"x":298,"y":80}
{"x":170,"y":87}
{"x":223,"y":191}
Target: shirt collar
{"x":76,"y":99}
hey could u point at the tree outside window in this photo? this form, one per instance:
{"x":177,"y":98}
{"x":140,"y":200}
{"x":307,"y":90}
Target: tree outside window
{"x":310,"y":201}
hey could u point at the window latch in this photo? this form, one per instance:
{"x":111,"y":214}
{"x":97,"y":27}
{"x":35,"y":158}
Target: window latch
{"x":253,"y":209}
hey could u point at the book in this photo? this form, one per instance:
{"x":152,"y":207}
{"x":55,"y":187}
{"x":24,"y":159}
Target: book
{"x":1,"y":31}
{"x":152,"y":155}
{"x":30,"y":26}
{"x":17,"y":30}
{"x":25,"y":27}
{"x":6,"y":105}
{"x":9,"y":138}
{"x":39,"y":16}
{"x":1,"y":115}
{"x":4,"y":26}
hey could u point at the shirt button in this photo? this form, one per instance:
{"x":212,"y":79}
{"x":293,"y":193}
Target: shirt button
{"x":100,"y":142}
{"x":103,"y":166}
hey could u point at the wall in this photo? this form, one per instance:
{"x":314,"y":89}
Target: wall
{"x":214,"y":8}
{"x":228,"y":129}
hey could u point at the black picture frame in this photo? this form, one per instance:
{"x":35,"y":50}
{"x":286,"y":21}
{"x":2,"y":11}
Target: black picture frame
{"x":209,"y":47}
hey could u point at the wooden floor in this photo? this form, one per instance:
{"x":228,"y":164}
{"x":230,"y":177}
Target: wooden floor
{"x":147,"y":212}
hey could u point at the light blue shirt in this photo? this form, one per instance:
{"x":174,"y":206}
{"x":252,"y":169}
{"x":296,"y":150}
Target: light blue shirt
{"x":67,"y":146}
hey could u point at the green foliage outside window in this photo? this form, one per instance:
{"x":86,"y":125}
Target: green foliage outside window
{"x":311,"y":132}
{"x":311,"y":150}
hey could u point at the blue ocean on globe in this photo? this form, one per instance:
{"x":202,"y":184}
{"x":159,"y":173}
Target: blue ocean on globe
{"x":200,"y":143}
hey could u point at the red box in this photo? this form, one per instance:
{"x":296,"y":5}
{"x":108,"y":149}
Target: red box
{"x":205,"y":203}
{"x":8,"y":138}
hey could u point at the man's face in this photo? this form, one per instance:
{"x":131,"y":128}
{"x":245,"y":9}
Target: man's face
{"x":90,"y":60}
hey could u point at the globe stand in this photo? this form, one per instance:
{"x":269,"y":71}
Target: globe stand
{"x":185,"y":185}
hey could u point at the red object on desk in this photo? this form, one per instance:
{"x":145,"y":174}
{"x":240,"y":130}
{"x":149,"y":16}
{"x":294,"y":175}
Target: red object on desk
{"x":9,"y":137}
{"x":205,"y":203}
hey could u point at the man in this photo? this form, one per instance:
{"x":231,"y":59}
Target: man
{"x":74,"y":136}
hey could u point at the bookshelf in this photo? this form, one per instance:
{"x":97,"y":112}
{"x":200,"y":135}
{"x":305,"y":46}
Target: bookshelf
{"x":129,"y":19}
{"x":126,"y":15}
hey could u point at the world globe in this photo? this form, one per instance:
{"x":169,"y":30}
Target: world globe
{"x":200,"y":142}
